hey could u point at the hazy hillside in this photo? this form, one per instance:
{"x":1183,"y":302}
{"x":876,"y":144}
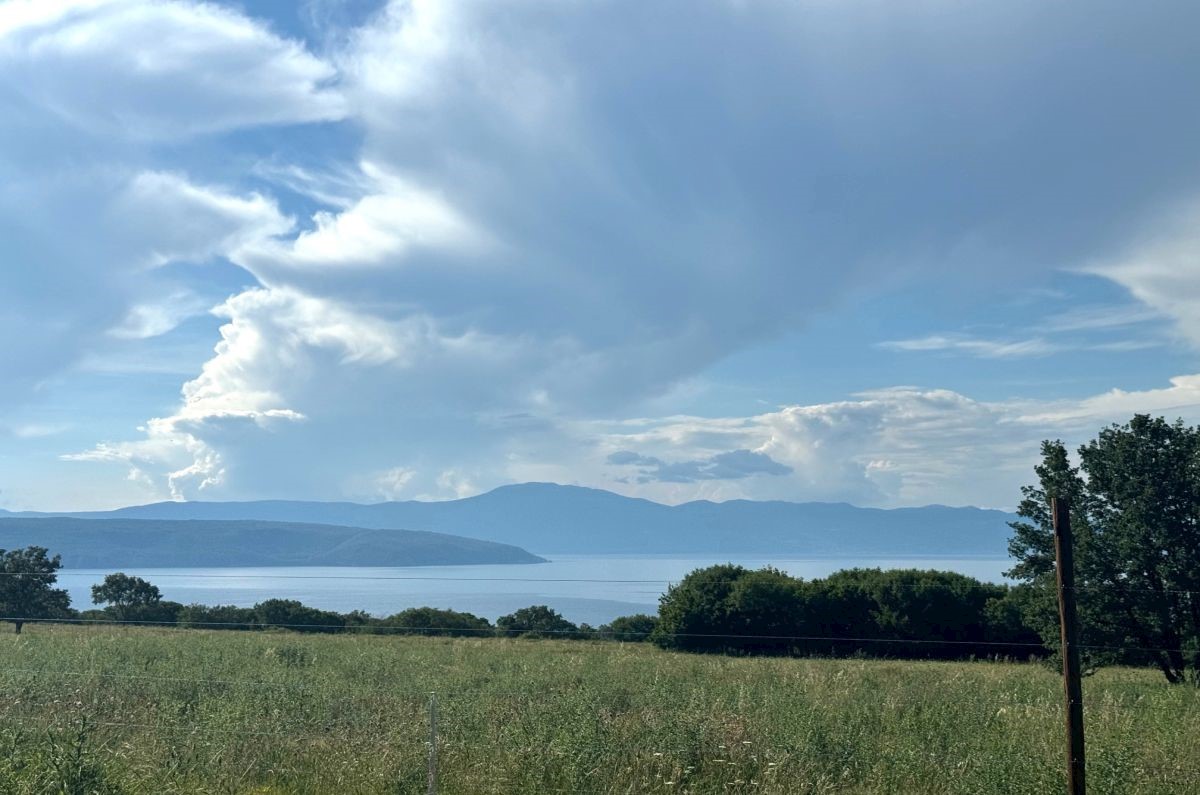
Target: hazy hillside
{"x":126,"y":542}
{"x":569,"y":519}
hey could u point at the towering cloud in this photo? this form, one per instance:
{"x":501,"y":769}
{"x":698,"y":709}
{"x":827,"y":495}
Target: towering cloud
{"x":539,"y":216}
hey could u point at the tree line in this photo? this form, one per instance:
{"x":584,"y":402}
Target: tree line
{"x":724,"y":608}
{"x":894,"y":613}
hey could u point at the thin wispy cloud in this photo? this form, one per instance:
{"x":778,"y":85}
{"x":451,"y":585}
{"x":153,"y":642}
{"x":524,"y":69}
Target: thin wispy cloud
{"x":975,"y":346}
{"x":1096,"y":318}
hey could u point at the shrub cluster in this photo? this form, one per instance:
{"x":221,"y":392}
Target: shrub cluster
{"x":896,"y":613}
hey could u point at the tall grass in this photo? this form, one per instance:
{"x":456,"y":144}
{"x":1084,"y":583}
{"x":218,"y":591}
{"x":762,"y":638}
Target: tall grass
{"x":119,"y":710}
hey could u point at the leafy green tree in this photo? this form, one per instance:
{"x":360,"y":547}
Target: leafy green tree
{"x":125,"y":594}
{"x":693,"y":614}
{"x":631,"y":629}
{"x":732,"y":609}
{"x":1135,"y":513}
{"x":290,"y":614}
{"x":1008,"y":621}
{"x":536,"y":621}
{"x":900,"y":605}
{"x":768,"y":609}
{"x":217,"y":617}
{"x":432,"y":621}
{"x":26,"y":579}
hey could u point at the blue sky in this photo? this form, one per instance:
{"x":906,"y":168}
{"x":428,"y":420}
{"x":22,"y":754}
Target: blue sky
{"x":342,"y":249}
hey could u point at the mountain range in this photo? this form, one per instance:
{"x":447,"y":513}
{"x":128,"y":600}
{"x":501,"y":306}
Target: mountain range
{"x":550,"y":518}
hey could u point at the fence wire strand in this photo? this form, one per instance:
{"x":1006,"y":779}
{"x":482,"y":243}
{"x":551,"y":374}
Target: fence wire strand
{"x":366,"y":629}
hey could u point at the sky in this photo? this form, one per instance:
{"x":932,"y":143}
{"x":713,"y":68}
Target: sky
{"x":855,"y":251}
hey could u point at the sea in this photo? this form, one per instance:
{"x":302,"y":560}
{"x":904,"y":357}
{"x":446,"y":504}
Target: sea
{"x":592,"y":589}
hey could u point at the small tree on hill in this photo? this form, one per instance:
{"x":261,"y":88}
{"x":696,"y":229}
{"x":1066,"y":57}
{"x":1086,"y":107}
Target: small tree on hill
{"x":26,"y":579}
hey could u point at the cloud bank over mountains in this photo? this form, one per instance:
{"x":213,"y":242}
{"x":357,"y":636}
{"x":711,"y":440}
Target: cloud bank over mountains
{"x":523,"y":225}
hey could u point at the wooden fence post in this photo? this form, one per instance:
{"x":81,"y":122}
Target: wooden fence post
{"x":1064,"y":554}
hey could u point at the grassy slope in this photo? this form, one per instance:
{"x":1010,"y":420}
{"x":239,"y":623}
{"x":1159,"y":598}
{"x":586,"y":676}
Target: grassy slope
{"x":292,"y":713}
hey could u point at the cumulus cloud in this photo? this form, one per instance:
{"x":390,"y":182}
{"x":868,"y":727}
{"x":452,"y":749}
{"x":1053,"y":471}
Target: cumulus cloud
{"x":898,"y":446}
{"x":731,"y":465}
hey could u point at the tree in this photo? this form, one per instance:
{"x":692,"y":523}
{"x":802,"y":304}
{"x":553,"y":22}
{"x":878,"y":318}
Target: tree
{"x":631,"y":629}
{"x":432,"y":621}
{"x":922,"y":606}
{"x":536,"y":621}
{"x":26,"y":579}
{"x":1135,"y":513}
{"x":126,"y":596}
{"x":217,"y":617}
{"x":731,"y":608}
{"x":290,"y":614}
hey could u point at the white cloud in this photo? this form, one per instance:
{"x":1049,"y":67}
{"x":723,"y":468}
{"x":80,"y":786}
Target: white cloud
{"x":453,"y":484}
{"x":974,"y":346}
{"x":177,"y":219}
{"x":37,"y":430}
{"x":1162,"y":268}
{"x":1093,"y":318}
{"x":1181,"y":398}
{"x":158,"y":69}
{"x":378,"y":229}
{"x":101,"y":100}
{"x":391,"y":484}
{"x":62,"y":290}
{"x":899,"y":446}
{"x":1036,"y":347}
{"x":155,"y":319}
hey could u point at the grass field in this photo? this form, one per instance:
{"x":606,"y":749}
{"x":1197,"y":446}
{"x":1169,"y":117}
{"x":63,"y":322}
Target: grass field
{"x":104,"y":710}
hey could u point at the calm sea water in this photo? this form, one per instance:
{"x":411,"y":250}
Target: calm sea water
{"x":572,"y":584}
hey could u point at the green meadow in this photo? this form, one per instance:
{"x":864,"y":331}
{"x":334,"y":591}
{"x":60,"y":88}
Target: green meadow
{"x":136,"y":710}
